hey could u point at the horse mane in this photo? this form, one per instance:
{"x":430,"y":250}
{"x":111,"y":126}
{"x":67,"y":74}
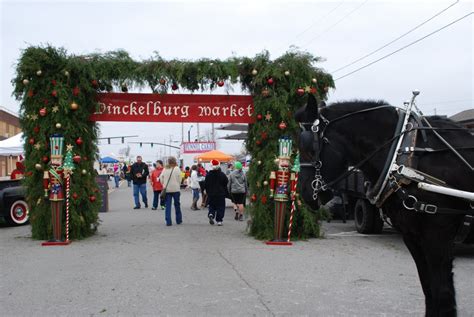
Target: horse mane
{"x":339,"y":108}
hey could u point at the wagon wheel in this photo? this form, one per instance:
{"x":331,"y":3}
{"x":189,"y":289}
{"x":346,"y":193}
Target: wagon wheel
{"x":18,"y":213}
{"x":364,"y":216}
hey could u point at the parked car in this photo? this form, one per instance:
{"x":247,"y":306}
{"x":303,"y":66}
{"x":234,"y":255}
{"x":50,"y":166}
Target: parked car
{"x":13,"y":207}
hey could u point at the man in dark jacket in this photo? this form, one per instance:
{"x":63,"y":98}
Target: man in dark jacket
{"x":216,"y":189}
{"x":139,"y":173}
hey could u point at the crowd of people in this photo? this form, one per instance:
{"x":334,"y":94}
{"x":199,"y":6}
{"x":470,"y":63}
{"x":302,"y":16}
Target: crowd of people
{"x":211,"y":188}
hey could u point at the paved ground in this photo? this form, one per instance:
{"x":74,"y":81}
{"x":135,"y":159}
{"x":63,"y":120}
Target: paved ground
{"x":137,"y":266}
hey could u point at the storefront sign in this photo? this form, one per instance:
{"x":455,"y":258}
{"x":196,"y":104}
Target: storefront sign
{"x":198,"y":147}
{"x":174,"y":108}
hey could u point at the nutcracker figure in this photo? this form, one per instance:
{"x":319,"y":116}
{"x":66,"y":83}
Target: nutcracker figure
{"x":282,"y":188}
{"x":53,"y":184}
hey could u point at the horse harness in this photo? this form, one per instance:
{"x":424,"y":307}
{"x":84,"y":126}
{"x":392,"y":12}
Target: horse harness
{"x":400,"y":168}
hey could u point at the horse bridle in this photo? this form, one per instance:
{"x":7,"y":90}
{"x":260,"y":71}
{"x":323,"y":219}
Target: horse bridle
{"x":319,"y":184}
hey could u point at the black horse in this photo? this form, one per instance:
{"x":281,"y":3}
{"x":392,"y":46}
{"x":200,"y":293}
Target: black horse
{"x":350,"y":133}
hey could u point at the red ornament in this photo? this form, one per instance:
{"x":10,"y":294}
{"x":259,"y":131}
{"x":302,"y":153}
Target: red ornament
{"x":264,"y":199}
{"x":282,"y":125}
{"x":313,"y":90}
{"x":96,"y":190}
{"x":54,"y":93}
{"x":174,"y":87}
{"x":36,"y":129}
{"x":30,"y":93}
{"x":43,"y":112}
{"x":53,"y":82}
{"x":76,"y":159}
{"x":92,"y":198}
{"x":45,"y":159}
{"x":76,"y":91}
{"x":254,"y":197}
{"x":300,"y":91}
{"x":258,"y":142}
{"x":270,"y":81}
{"x":162,"y":81}
{"x":45,"y":101}
{"x":31,"y":141}
{"x":220,"y":83}
{"x":259,"y":117}
{"x":264,"y":135}
{"x":79,"y":141}
{"x":75,"y":196}
{"x":29,"y":173}
{"x":265,"y":92}
{"x":94,"y":83}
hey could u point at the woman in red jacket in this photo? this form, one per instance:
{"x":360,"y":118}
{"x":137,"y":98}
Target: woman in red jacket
{"x":157,"y":186}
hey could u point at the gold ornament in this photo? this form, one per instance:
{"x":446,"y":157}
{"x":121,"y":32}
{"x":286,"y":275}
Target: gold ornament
{"x":258,"y":185}
{"x":74,"y":106}
{"x":265,"y":183}
{"x":254,"y":72}
{"x":34,"y":117}
{"x":268,"y":116}
{"x":314,"y":80}
{"x":259,"y":163}
{"x":39,"y":72}
{"x":58,"y":125}
{"x":66,"y":73}
{"x":84,"y":172}
{"x":26,"y":81}
{"x":287,"y":73}
{"x":69,"y":147}
{"x":38,"y":166}
{"x":37,"y":146}
{"x":55,"y":109}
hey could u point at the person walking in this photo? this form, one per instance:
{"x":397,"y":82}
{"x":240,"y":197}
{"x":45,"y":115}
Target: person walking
{"x":139,"y":173}
{"x":117,"y":175}
{"x":157,"y":185}
{"x":201,"y":172}
{"x":216,"y":188}
{"x":238,"y":189}
{"x":194,"y":184}
{"x":170,"y":177}
{"x":126,"y":172}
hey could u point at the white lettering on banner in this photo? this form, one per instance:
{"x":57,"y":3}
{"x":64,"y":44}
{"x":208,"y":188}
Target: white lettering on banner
{"x":195,"y":147}
{"x":156,"y":107}
{"x":133,"y":110}
{"x":125,"y":109}
{"x":249,"y":110}
{"x":184,"y":111}
{"x":232,"y":110}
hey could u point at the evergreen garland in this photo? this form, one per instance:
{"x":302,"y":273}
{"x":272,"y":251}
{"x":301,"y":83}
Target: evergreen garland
{"x":77,"y":79}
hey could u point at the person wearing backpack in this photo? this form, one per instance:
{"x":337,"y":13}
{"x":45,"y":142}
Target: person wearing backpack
{"x":238,"y":189}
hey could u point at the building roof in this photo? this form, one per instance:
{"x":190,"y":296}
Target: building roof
{"x":238,"y":136}
{"x":465,"y":115}
{"x":233,"y":127}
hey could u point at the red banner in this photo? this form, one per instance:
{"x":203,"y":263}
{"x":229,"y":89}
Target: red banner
{"x":174,"y":108}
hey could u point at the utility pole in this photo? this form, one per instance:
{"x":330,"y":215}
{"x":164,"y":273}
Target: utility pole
{"x":198,"y":135}
{"x":213,"y":136}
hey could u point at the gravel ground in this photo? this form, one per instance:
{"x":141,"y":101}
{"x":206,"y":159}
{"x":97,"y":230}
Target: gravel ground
{"x":136,"y":266}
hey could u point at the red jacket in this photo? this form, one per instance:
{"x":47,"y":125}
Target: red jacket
{"x":155,"y":179}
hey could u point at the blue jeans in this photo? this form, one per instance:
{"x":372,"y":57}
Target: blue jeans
{"x":117,"y":181}
{"x":195,"y":194}
{"x":156,"y":195}
{"x":177,"y":207}
{"x":142,"y":189}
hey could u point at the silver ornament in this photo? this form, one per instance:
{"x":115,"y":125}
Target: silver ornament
{"x":254,"y":72}
{"x":26,"y":81}
{"x":259,"y":163}
{"x":58,"y":125}
{"x":287,"y":73}
{"x":38,"y":166}
{"x":39,"y":72}
{"x":66,"y":73}
{"x":314,"y":80}
{"x":265,"y":183}
{"x":84,"y":172}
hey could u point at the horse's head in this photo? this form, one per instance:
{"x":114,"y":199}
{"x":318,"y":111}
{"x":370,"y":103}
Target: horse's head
{"x":320,"y":162}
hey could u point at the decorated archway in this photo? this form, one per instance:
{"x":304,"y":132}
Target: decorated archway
{"x":61,"y":93}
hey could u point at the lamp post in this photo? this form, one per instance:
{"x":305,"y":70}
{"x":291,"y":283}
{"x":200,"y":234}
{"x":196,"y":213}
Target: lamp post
{"x":189,"y":133}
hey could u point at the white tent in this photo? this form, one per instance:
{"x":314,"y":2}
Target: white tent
{"x":12,"y":146}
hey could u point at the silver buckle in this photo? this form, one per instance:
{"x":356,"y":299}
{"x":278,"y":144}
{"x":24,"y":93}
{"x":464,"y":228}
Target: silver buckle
{"x":430,"y":209}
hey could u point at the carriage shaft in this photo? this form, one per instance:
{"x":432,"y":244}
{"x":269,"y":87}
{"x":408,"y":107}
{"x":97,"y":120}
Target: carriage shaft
{"x":446,"y":191}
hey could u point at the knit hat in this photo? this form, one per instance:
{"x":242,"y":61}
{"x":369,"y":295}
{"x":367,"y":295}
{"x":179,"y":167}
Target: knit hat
{"x":238,"y":165}
{"x":215,"y":164}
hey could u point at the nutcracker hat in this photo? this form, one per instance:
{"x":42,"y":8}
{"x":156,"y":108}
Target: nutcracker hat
{"x":215,"y":164}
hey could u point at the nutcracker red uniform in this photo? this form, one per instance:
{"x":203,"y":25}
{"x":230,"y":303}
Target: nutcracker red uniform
{"x":53,"y":184}
{"x":282,"y":189}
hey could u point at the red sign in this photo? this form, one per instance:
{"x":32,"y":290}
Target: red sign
{"x":198,"y":147}
{"x":174,"y":108}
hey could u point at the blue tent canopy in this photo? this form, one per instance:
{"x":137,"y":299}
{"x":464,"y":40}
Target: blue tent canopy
{"x":108,"y":159}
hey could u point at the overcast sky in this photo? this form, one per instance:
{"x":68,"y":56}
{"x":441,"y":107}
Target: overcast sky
{"x":440,"y":66}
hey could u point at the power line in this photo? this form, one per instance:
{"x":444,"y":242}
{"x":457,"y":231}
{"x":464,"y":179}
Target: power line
{"x":404,"y":47}
{"x":332,"y":26}
{"x":401,"y":36}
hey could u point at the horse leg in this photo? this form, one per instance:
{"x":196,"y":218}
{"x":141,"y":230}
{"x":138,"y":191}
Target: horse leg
{"x":439,"y":257}
{"x":418,"y":255}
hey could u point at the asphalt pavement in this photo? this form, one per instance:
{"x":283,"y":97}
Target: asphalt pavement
{"x":136,"y":266}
